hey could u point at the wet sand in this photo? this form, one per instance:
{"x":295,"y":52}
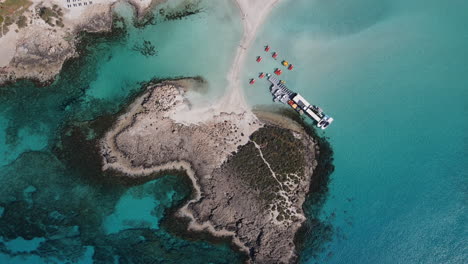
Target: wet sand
{"x":253,"y":13}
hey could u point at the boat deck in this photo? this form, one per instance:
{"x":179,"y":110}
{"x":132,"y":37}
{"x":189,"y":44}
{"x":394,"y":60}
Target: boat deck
{"x":279,"y":91}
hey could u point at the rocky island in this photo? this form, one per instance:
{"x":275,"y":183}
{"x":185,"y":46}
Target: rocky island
{"x":250,"y":172}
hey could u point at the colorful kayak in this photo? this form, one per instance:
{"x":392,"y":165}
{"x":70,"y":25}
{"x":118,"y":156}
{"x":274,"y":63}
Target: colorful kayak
{"x":267,"y":48}
{"x":252,"y":81}
{"x":275,"y":55}
{"x":285,"y":63}
{"x":278,"y":72}
{"x":261,"y":75}
{"x":259,"y":59}
{"x":290,"y":67}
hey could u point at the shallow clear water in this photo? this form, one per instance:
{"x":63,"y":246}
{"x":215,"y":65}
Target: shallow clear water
{"x":200,"y":45}
{"x":55,"y":206}
{"x":393,"y":75}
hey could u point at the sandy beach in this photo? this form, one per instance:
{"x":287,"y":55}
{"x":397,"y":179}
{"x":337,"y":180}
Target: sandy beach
{"x":8,"y":44}
{"x":226,"y":201}
{"x":253,"y":13}
{"x":230,"y":130}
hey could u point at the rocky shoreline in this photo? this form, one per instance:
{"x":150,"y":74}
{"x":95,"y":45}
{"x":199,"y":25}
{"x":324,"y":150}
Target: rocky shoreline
{"x":250,"y":175}
{"x":38,"y":51}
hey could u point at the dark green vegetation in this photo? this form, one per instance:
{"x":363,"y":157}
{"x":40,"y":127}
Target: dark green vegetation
{"x":251,"y":169}
{"x":59,"y":192}
{"x":286,"y":156}
{"x":315,"y":233}
{"x":321,"y":177}
{"x":52,"y":16}
{"x":11,"y":11}
{"x":282,"y":150}
{"x":71,"y":192}
{"x":22,"y":22}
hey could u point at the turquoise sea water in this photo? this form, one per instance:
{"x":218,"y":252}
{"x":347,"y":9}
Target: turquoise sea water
{"x":55,"y":205}
{"x":393,"y":74}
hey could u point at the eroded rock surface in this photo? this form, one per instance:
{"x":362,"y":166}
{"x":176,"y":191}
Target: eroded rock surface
{"x":39,"y":55}
{"x":258,"y":192}
{"x":251,"y":176}
{"x":37,"y":48}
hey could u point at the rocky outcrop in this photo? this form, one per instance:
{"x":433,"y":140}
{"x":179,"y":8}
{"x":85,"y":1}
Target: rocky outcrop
{"x":97,"y":22}
{"x":42,"y":46}
{"x":39,"y":55}
{"x":258,"y":192}
{"x":250,"y":176}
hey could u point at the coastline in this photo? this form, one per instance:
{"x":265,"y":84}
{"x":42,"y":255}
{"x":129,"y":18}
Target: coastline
{"x":127,"y":119}
{"x":233,"y":97}
{"x":75,"y":134}
{"x":177,"y":214}
{"x":39,"y":51}
{"x":227,"y":140}
{"x":253,"y":14}
{"x":318,"y":192}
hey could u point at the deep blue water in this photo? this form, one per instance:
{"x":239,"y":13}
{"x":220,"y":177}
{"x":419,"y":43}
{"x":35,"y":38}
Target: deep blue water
{"x":393,"y":74}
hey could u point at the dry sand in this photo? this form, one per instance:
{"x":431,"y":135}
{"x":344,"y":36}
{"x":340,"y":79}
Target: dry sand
{"x":130,"y":146}
{"x":253,"y":13}
{"x":233,"y":103}
{"x":8,"y":47}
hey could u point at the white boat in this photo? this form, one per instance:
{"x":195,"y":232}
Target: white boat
{"x":282,"y":94}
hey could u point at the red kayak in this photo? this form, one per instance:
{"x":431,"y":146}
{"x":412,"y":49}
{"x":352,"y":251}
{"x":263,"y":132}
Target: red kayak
{"x":290,"y":67}
{"x":278,"y":72}
{"x":259,"y":59}
{"x":252,"y":81}
{"x":275,"y":55}
{"x":261,"y":75}
{"x":267,"y":48}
